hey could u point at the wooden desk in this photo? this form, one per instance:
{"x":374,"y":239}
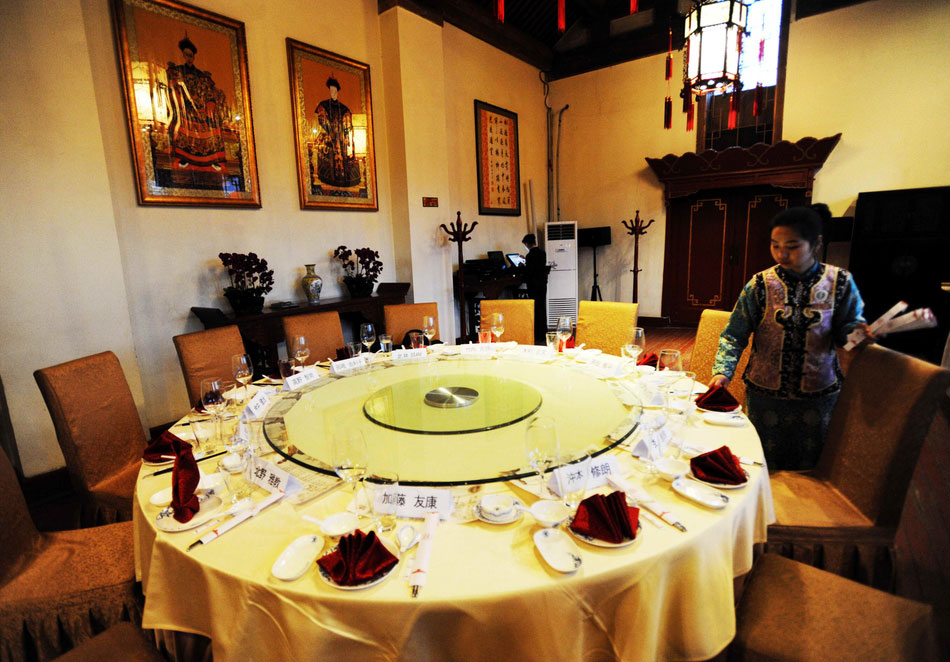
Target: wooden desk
{"x":264,"y":331}
{"x":502,"y":287}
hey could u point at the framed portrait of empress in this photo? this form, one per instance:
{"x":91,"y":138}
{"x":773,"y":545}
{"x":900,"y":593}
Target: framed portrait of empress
{"x":188,"y":104}
{"x":333,"y":129}
{"x":496,"y":150}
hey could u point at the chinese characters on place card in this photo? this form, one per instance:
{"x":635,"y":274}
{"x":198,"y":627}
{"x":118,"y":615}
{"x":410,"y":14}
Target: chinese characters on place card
{"x":566,"y":478}
{"x":415,"y":502}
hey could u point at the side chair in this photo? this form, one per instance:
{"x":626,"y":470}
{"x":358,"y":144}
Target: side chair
{"x":711,"y":324}
{"x":323,"y":331}
{"x":206,"y":354}
{"x":605,"y":325}
{"x":402,"y":318}
{"x":519,"y":318}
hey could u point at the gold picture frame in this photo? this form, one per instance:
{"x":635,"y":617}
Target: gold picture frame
{"x":188,"y":104}
{"x":332,"y":106}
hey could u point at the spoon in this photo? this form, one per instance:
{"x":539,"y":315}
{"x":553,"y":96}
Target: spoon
{"x":407,"y":536}
{"x":335,"y":525}
{"x":238,"y":507}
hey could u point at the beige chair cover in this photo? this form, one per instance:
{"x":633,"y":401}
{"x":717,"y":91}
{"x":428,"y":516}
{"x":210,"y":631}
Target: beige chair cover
{"x":605,"y":325}
{"x":207,"y":354}
{"x":519,"y":318}
{"x":404,"y":317}
{"x":711,"y":324}
{"x":99,"y":432}
{"x":322,"y":330}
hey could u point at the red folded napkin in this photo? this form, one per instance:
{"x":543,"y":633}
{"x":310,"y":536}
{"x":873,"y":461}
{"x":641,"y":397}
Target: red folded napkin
{"x":650,"y":359}
{"x":718,"y":466}
{"x":185,"y":477}
{"x":717,"y":398}
{"x":161,"y":448}
{"x":357,"y":559}
{"x":606,"y":518}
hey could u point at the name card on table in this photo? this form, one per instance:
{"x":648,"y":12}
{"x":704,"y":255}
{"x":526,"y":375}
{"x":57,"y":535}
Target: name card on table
{"x":656,"y":437}
{"x":273,"y":479}
{"x":257,"y":405}
{"x":569,"y":477}
{"x":538,"y":353}
{"x":298,"y":379}
{"x":609,"y":366}
{"x":349,"y":365}
{"x":478,"y":349}
{"x":413,"y":502}
{"x":401,"y":355}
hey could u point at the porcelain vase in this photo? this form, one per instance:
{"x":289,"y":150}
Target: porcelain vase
{"x":311,"y":284}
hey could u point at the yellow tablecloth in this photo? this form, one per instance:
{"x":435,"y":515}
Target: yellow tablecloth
{"x":489,"y":595}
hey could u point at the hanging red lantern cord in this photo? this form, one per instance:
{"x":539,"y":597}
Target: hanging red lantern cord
{"x":561,"y":21}
{"x":633,"y":6}
{"x":687,"y":92}
{"x":758,"y":103}
{"x":668,"y":103}
{"x":499,"y":11}
{"x":736,"y":89}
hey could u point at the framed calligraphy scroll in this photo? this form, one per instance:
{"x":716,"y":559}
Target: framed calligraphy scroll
{"x":188,"y":104}
{"x":333,"y":129}
{"x":496,"y":150}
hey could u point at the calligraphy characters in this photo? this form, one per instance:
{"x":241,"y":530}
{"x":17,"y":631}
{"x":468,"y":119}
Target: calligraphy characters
{"x":500,"y":149}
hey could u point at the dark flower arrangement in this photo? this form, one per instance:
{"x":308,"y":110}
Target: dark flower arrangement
{"x":248,"y":274}
{"x":359,"y":264}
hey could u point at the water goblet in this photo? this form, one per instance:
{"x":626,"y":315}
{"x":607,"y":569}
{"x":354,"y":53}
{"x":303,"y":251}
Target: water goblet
{"x":243,"y":371}
{"x":212,"y":399}
{"x":428,"y":327}
{"x":573,"y":477}
{"x":670,"y":360}
{"x":353,"y":349}
{"x":565,"y":329}
{"x":497,"y":325}
{"x":367,"y":335}
{"x":301,"y":350}
{"x":349,"y":455}
{"x":638,"y":339}
{"x":541,"y":448}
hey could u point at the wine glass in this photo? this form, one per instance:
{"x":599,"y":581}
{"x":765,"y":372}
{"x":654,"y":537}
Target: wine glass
{"x":243,"y":370}
{"x":670,"y":360}
{"x":634,"y":348}
{"x":428,"y":327}
{"x":367,"y":335}
{"x":212,"y":399}
{"x":301,"y":350}
{"x":565,"y":329}
{"x":497,"y":325}
{"x":679,"y":406}
{"x":541,"y":447}
{"x":349,"y":455}
{"x":574,"y":476}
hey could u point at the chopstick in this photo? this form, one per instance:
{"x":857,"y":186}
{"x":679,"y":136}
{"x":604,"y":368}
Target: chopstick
{"x":165,"y":471}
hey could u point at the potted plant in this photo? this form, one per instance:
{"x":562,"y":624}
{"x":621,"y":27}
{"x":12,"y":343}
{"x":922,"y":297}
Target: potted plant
{"x":361,"y":269}
{"x":250,"y":281}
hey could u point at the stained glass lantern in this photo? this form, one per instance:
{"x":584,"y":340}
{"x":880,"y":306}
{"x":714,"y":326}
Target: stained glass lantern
{"x":713,"y":42}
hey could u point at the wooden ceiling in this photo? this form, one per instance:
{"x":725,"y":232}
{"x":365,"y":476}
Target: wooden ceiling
{"x":599,"y":33}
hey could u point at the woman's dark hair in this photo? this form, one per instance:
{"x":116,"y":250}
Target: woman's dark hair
{"x":809,"y":222}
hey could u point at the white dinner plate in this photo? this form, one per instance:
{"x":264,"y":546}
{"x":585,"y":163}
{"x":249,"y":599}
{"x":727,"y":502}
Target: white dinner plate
{"x":729,"y":419}
{"x":207,"y":483}
{"x":515,"y":515}
{"x":723,"y":486}
{"x":372,"y":581}
{"x":558,"y":550}
{"x":209,"y":505}
{"x":700,"y":493}
{"x":596,"y":542}
{"x":297,"y":557}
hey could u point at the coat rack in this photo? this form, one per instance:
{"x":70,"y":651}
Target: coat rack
{"x":459,"y":234}
{"x":636,"y":227}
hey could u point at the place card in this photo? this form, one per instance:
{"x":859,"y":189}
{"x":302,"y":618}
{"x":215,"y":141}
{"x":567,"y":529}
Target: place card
{"x":302,"y":378}
{"x":415,"y":502}
{"x":656,"y":437}
{"x":349,"y":365}
{"x":609,"y":366}
{"x":401,"y":355}
{"x":273,"y":479}
{"x":257,"y":405}
{"x":565,"y":478}
{"x":477,"y":349}
{"x":533,"y":352}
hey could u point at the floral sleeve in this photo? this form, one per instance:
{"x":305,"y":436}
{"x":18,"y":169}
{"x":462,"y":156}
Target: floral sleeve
{"x":849,"y":307}
{"x":745,"y":317}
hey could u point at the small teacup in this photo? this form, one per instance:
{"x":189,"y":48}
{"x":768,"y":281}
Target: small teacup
{"x":497,"y":505}
{"x":671,"y":469}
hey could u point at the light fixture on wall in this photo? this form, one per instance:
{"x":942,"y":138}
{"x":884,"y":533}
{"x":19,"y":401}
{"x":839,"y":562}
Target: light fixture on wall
{"x":713,"y":41}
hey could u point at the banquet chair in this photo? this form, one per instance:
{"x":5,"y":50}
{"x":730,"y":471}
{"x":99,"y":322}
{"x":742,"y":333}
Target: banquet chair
{"x":791,"y":611}
{"x":711,"y":324}
{"x":404,"y":317}
{"x":843,"y":515}
{"x":323,"y":332}
{"x":605,"y":325}
{"x":206,"y":354}
{"x":519,"y":318}
{"x":58,"y":589}
{"x":99,"y":432}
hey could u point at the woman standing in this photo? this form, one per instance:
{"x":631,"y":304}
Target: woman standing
{"x":796,"y":312}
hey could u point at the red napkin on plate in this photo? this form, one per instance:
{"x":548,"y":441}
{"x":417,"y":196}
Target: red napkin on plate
{"x":717,"y":398}
{"x":718,"y":466}
{"x":357,"y":559}
{"x":162,"y":447}
{"x":185,"y":477}
{"x":606,"y":518}
{"x":650,"y":359}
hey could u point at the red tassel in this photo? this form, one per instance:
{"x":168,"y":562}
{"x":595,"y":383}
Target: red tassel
{"x":561,"y":21}
{"x":668,"y":113}
{"x":734,"y":109}
{"x":758,"y":102}
{"x":669,"y":56}
{"x":500,"y":11}
{"x":634,"y":6}
{"x":689,"y":114}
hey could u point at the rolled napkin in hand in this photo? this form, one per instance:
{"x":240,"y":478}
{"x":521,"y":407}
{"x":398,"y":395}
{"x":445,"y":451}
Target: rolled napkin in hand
{"x":718,"y":466}
{"x":185,"y":477}
{"x":162,"y":447}
{"x":717,"y":398}
{"x":607,"y":518}
{"x":358,"y":558}
{"x":650,"y":359}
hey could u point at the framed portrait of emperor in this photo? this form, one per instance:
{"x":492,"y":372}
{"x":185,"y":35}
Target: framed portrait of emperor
{"x":188,"y":104}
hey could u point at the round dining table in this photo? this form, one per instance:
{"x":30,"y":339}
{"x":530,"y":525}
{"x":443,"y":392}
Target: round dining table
{"x":489,"y":594}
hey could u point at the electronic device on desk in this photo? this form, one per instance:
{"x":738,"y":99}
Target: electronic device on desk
{"x":516,"y":260}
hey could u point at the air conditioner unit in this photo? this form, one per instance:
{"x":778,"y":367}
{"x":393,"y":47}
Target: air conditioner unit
{"x":560,"y":245}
